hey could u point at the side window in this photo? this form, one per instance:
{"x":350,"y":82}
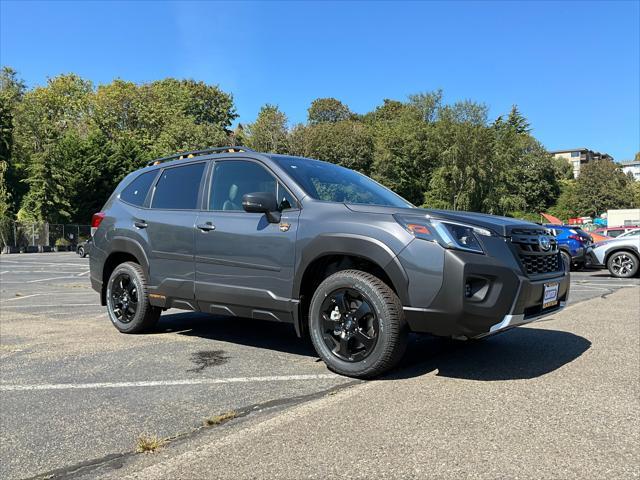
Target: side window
{"x":234,"y":178}
{"x":178,"y":187}
{"x":285,"y":199}
{"x":136,"y":192}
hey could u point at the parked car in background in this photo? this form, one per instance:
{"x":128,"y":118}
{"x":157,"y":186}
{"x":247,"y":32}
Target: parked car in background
{"x":573,"y":243}
{"x":83,"y":248}
{"x":620,"y":255}
{"x":631,"y":233}
{"x":614,"y":232}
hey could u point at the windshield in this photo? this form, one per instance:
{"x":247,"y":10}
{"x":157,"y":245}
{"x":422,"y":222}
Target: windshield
{"x":332,"y":183}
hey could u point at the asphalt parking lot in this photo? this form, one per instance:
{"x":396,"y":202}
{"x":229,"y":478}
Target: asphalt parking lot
{"x":73,"y":390}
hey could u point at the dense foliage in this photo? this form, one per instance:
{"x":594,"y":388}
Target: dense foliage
{"x":64,"y":147}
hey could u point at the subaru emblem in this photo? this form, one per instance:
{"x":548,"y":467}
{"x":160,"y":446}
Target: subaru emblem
{"x":545,"y":243}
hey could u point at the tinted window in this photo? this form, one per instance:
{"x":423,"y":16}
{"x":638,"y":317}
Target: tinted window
{"x":137,"y":190}
{"x":614,"y":233}
{"x":332,"y":183}
{"x":233,"y":179}
{"x":178,"y":188}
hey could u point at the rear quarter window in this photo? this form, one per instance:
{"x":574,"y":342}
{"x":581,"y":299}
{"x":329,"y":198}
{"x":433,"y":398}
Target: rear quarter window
{"x":136,"y":192}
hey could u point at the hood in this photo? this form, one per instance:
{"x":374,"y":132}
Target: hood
{"x":500,"y":225}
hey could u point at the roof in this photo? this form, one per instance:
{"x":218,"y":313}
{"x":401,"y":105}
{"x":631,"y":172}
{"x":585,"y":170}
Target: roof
{"x":629,"y":163}
{"x":567,"y":150}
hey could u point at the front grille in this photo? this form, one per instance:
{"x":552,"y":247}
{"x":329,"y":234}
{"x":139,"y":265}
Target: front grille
{"x":535,"y":265}
{"x":533,"y":258}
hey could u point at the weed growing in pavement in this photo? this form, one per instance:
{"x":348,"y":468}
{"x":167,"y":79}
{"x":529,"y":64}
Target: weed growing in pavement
{"x":218,"y":419}
{"x":149,"y":443}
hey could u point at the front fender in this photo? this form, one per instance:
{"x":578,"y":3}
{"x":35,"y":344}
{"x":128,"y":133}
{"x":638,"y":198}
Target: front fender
{"x":355,"y":245}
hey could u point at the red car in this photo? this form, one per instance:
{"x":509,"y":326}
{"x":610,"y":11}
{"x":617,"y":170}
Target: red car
{"x":615,"y":231}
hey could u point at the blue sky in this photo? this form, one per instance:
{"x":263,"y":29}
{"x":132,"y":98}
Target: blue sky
{"x":573,"y":68}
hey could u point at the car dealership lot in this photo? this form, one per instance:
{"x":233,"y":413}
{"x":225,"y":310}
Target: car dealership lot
{"x":75,"y":390}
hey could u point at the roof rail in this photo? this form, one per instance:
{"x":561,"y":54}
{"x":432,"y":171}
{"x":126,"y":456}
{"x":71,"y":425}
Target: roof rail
{"x":196,"y":153}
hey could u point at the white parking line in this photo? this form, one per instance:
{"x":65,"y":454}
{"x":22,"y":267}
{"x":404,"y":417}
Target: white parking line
{"x":83,"y":273}
{"x":164,"y":383}
{"x":21,"y":297}
{"x":58,"y":305}
{"x":51,"y":278}
{"x":17,"y":272}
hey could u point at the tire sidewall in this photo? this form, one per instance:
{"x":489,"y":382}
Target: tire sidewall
{"x":633,"y":257}
{"x":566,"y":259}
{"x":138,"y":319}
{"x":372,"y":362}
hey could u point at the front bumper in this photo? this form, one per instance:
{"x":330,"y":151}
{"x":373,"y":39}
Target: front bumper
{"x":593,"y":259}
{"x":499,"y":297}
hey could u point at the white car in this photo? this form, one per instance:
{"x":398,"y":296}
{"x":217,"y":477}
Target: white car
{"x":631,"y":233}
{"x":620,"y":255}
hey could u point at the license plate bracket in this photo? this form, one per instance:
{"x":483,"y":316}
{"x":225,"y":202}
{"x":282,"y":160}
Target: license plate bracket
{"x":550,"y":294}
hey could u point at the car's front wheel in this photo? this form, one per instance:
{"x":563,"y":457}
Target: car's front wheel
{"x":128,"y":300}
{"x":623,"y":264}
{"x":357,"y":324}
{"x":81,"y":252}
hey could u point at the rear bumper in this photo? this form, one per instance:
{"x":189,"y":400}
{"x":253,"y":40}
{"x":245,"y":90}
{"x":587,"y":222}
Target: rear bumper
{"x":497,"y":297}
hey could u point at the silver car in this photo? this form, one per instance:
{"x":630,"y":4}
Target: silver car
{"x":620,"y":255}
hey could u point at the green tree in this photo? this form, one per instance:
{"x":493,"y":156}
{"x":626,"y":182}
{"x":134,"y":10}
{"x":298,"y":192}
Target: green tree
{"x":428,"y":104}
{"x":47,"y":198}
{"x":327,"y":110}
{"x":11,"y":93}
{"x":269,"y":132}
{"x":566,"y":205}
{"x":601,"y":186}
{"x":347,"y":143}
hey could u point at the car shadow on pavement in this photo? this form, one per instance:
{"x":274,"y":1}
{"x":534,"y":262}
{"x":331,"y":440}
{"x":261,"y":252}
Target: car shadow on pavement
{"x":517,"y":354}
{"x":242,"y":331}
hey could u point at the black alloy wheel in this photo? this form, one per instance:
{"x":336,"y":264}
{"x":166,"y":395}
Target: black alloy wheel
{"x":124,"y":298}
{"x":350,"y":325}
{"x":357,"y":324}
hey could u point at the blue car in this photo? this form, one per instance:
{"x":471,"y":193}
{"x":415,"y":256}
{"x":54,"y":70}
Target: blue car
{"x":573,"y":243}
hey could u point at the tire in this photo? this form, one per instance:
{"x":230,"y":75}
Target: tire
{"x":361,"y":345}
{"x":566,"y":259}
{"x":130,"y":278}
{"x":81,"y":252}
{"x":623,"y":264}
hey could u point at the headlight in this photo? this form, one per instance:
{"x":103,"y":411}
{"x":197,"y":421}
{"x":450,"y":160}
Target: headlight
{"x":448,"y":234}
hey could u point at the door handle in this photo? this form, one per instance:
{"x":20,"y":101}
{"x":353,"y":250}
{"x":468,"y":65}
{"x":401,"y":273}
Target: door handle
{"x":206,"y":227}
{"x":140,"y":224}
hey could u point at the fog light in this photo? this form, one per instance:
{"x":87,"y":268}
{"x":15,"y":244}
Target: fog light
{"x":467,"y":290}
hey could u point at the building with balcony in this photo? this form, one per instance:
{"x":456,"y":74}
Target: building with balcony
{"x":578,"y":157}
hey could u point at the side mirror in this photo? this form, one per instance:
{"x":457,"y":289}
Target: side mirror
{"x":262,"y":202}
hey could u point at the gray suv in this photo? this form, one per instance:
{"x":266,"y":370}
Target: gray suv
{"x":230,"y":231}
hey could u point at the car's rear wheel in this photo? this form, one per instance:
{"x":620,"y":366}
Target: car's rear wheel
{"x":128,"y":300}
{"x":623,"y":264}
{"x":357,"y":324}
{"x":81,"y":252}
{"x":566,"y":259}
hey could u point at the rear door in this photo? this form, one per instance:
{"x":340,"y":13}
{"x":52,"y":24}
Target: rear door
{"x":244,"y":264}
{"x":169,"y":224}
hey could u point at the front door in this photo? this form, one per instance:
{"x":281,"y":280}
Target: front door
{"x":244,"y":264}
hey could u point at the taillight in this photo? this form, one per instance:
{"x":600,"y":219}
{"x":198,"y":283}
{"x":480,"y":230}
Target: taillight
{"x":96,"y":220}
{"x":576,"y":237}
